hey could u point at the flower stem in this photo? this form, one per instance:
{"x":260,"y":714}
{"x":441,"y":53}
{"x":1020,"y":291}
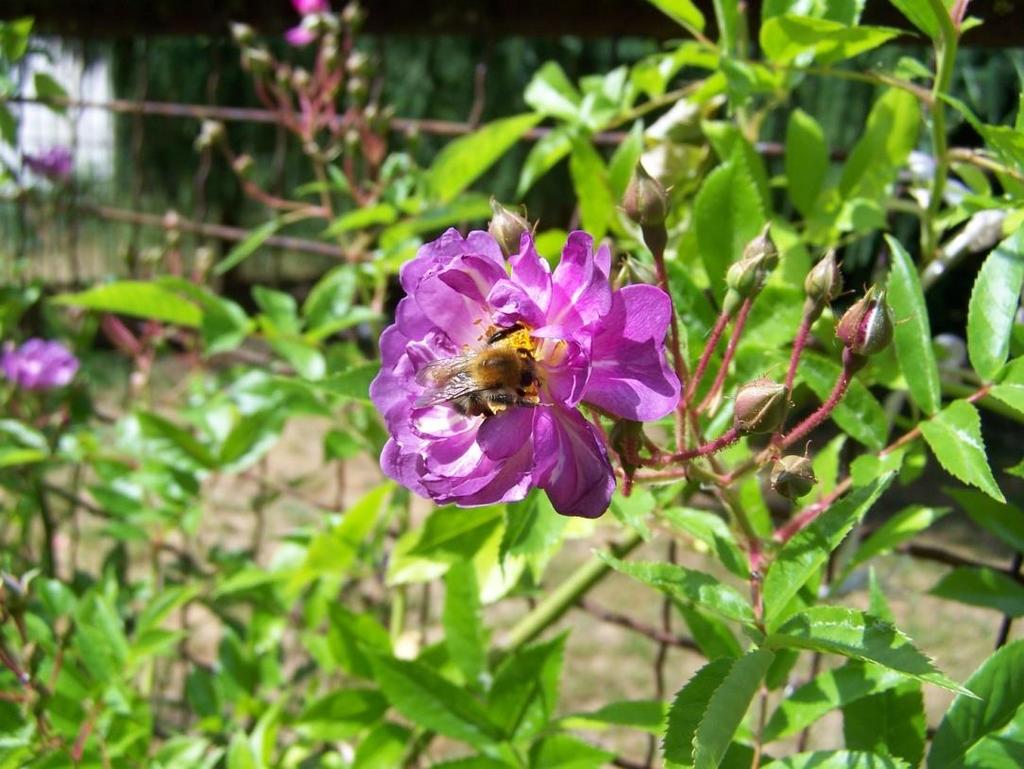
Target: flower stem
{"x":945,"y":53}
{"x":730,"y":351}
{"x":562,"y":598}
{"x":798,"y":348}
{"x":729,"y":437}
{"x":656,"y":238}
{"x":705,"y":357}
{"x":851,"y":363}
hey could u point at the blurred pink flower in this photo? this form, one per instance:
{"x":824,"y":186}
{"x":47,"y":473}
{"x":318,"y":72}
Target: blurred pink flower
{"x":299,"y":36}
{"x":38,"y":364}
{"x":54,"y":163}
{"x":306,"y":7}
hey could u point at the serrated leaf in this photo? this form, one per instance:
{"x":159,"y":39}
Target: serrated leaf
{"x":712,"y":635}
{"x":954,"y":436}
{"x":462,"y":161}
{"x":562,"y":751}
{"x":341,"y":714}
{"x":433,"y":702}
{"x":825,"y":692}
{"x":683,"y":12}
{"x":890,"y":723}
{"x":352,"y":637}
{"x":982,"y":587}
{"x":859,"y":414}
{"x":789,"y":37}
{"x":688,"y":708}
{"x":896,"y":530}
{"x":689,"y":584}
{"x":712,"y":531}
{"x":911,"y":332}
{"x":837,"y":759}
{"x":464,"y":631}
{"x":646,"y":715}
{"x":808,"y":550}
{"x":727,"y":707}
{"x":137,"y":298}
{"x":1004,"y":520}
{"x":993,"y":302}
{"x":806,"y":160}
{"x":727,"y":215}
{"x":889,"y":136}
{"x":855,"y":634}
{"x":525,"y":691}
{"x":999,"y":686}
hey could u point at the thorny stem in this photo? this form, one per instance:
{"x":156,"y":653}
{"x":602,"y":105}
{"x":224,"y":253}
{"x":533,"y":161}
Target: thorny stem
{"x":656,"y":237}
{"x":945,"y":53}
{"x":730,"y":351}
{"x":705,"y":357}
{"x":727,"y":438}
{"x":851,"y":363}
{"x":798,"y":348}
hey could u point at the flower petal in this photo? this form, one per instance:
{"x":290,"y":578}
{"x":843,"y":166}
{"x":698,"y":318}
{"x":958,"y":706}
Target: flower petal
{"x":572,"y":463}
{"x":299,"y":36}
{"x":454,"y":297}
{"x":580,"y":292}
{"x":630,"y":375}
{"x":511,"y":303}
{"x":531,"y":272}
{"x":438,"y":253}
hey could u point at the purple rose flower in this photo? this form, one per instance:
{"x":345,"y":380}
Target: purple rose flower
{"x":54,"y":164}
{"x":306,"y":7}
{"x":38,"y":364}
{"x":577,"y":342}
{"x":299,"y":36}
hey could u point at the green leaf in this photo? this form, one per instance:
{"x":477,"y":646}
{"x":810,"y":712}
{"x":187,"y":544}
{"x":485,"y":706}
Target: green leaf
{"x":49,"y":90}
{"x":912,"y":334}
{"x":550,"y":92}
{"x":994,"y":301}
{"x":562,"y":751}
{"x":727,"y":707}
{"x":1004,"y":520}
{"x":351,"y":638}
{"x":543,"y":156}
{"x":982,"y":587}
{"x":177,"y":438}
{"x":808,"y":550}
{"x":727,"y":214}
{"x":280,"y":308}
{"x":689,"y":584}
{"x":624,"y":160}
{"x":593,"y":191}
{"x":806,"y":160}
{"x":353,"y":383}
{"x":836,"y":759}
{"x":462,"y":161}
{"x":827,"y":691}
{"x":467,"y":207}
{"x":683,"y":12}
{"x":430,"y":701}
{"x":711,"y":634}
{"x":999,"y":688}
{"x":341,"y":714}
{"x":383,"y":748}
{"x":361,"y":219}
{"x":457,"y":531}
{"x":954,"y":436}
{"x":859,"y":414}
{"x":533,"y":530}
{"x":921,"y":14}
{"x":137,"y":298}
{"x":645,"y":715}
{"x":14,"y":38}
{"x":788,"y":38}
{"x":688,"y":708}
{"x":525,"y":691}
{"x":903,"y":526}
{"x":464,"y":631}
{"x":247,"y":247}
{"x":889,"y":136}
{"x":891,"y":723}
{"x":711,"y":530}
{"x":855,"y":634}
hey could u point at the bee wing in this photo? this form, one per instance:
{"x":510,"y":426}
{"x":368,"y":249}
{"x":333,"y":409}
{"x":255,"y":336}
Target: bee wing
{"x":445,"y":380}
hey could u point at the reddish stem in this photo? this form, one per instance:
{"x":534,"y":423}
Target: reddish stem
{"x":705,"y":357}
{"x":850,"y":365}
{"x":798,"y":348}
{"x":730,"y":351}
{"x":729,"y":437}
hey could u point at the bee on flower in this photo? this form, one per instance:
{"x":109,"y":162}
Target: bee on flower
{"x":489,"y":360}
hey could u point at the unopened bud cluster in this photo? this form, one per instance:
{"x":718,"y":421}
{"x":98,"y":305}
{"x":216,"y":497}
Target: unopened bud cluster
{"x":747,"y":277}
